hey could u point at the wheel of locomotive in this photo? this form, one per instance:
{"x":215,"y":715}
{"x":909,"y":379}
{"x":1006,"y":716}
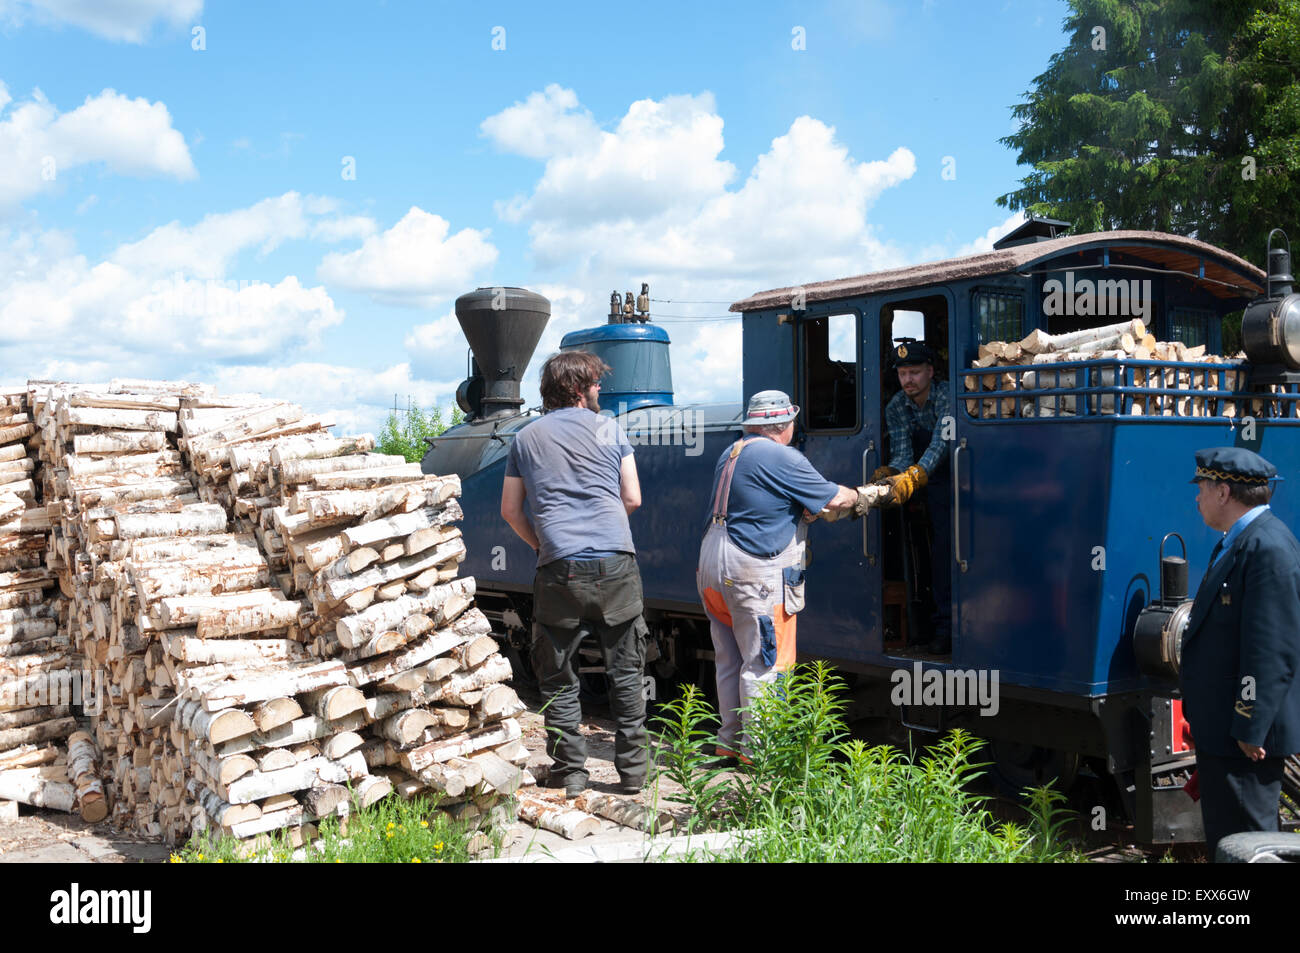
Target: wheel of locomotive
{"x":1016,"y":766}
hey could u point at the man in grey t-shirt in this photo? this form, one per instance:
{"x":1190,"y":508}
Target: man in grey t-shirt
{"x":576,"y":470}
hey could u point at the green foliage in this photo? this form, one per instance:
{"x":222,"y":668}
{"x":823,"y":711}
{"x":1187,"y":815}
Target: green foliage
{"x":810,"y":794}
{"x":392,"y":831}
{"x":405,"y":434}
{"x":687,"y":743}
{"x":1187,"y":122}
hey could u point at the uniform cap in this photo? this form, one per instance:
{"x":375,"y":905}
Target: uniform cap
{"x":769,"y":407}
{"x":908,"y":351}
{"x":1233,"y":465}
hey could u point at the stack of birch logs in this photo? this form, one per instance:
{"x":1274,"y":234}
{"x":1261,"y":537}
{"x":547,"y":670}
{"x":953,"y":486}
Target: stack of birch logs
{"x":373,"y":542}
{"x":40,"y":677}
{"x":1126,"y":341}
{"x":322,"y":652}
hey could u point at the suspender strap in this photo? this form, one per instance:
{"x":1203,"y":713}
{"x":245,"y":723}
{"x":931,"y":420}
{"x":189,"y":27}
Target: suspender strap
{"x":723,"y":494}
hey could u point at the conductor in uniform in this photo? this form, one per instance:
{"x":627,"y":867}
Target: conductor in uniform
{"x":1241,"y":648}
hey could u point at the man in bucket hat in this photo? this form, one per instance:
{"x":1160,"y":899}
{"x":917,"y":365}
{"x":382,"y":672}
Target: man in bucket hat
{"x":750,"y":575}
{"x":1241,"y":648}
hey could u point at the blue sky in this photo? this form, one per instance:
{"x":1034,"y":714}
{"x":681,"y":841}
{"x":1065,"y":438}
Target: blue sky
{"x":177,"y":212}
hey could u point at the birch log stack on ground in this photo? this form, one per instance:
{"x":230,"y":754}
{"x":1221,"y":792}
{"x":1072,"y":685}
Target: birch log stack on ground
{"x":274,"y":612}
{"x":1030,"y":362}
{"x":36,"y":658}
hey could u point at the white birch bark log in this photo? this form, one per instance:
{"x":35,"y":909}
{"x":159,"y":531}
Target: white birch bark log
{"x":275,"y":712}
{"x":307,"y":729}
{"x":35,"y":734}
{"x":321,"y":448}
{"x":32,"y":716}
{"x":336,"y":746}
{"x":472,"y":624}
{"x":158,"y":462}
{"x":257,"y":651}
{"x":499,"y":775}
{"x":216,"y":727}
{"x":336,"y":702}
{"x":192,"y":521}
{"x":87,"y":398}
{"x":557,"y":818}
{"x":28,"y":756}
{"x":28,"y":786}
{"x":255,"y":786}
{"x":459,"y":746}
{"x":279,"y":682}
{"x":495,"y":669}
{"x":625,"y":812}
{"x":122,"y":441}
{"x":276,"y":759}
{"x":177,"y":611}
{"x":107,"y":418}
{"x":334,"y":590}
{"x":256,"y":618}
{"x":295,"y":472}
{"x":367,"y":479}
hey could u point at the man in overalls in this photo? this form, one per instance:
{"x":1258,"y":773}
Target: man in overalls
{"x":918,"y":458}
{"x":750,"y":575}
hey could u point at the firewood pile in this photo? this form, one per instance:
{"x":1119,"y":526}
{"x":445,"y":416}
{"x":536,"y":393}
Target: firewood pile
{"x":37,"y":662}
{"x":372,"y":542}
{"x":272,"y":616}
{"x":1127,"y":341}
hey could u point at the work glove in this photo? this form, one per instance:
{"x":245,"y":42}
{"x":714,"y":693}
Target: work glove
{"x":904,"y":484}
{"x":869,"y":496}
{"x":881,"y":473}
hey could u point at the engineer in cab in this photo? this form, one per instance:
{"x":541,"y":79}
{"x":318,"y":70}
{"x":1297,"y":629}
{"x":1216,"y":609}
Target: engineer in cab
{"x":918,"y":466}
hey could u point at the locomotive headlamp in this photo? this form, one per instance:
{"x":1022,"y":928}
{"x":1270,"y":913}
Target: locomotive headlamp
{"x":1158,"y":633}
{"x":1270,"y":326}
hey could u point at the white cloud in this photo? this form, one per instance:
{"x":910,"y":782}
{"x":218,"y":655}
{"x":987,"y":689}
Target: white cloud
{"x":161,"y":306}
{"x":654,"y":196}
{"x":129,"y":136}
{"x":984,"y":243}
{"x":124,"y":20}
{"x":545,"y":124}
{"x":344,"y":227}
{"x":207,"y":249}
{"x":661,"y":155}
{"x":414,"y":263}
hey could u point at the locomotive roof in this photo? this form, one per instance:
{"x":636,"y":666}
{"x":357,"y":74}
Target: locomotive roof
{"x":1160,"y":249}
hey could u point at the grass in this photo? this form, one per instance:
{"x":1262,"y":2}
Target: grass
{"x":812,"y":794}
{"x":392,"y":831}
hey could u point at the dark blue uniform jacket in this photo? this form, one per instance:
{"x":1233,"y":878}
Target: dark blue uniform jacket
{"x":1241,"y":649}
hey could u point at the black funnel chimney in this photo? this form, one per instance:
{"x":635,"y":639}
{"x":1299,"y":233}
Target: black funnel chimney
{"x":502,"y":326}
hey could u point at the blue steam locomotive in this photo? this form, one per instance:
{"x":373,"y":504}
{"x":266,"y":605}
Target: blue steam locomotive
{"x":1067,"y":477}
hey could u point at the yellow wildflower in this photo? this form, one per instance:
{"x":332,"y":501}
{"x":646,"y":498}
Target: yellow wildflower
{"x":389,"y":835}
{"x":174,"y":859}
{"x":220,"y":861}
{"x":438,"y":846}
{"x":424,"y":823}
{"x":416,"y":860}
{"x":200,"y":856}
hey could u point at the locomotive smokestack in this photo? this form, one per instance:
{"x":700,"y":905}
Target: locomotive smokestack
{"x":502,"y":326}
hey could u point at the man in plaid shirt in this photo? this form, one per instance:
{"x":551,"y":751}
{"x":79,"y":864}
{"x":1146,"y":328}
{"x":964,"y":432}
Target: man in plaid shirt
{"x":918,"y":458}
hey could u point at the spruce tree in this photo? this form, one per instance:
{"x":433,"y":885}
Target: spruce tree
{"x":1179,"y":116}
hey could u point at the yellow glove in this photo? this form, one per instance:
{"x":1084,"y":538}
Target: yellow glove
{"x":905,"y":484}
{"x":881,"y":473}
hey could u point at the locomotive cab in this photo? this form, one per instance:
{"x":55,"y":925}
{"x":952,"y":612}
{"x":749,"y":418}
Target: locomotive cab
{"x":1066,"y":475}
